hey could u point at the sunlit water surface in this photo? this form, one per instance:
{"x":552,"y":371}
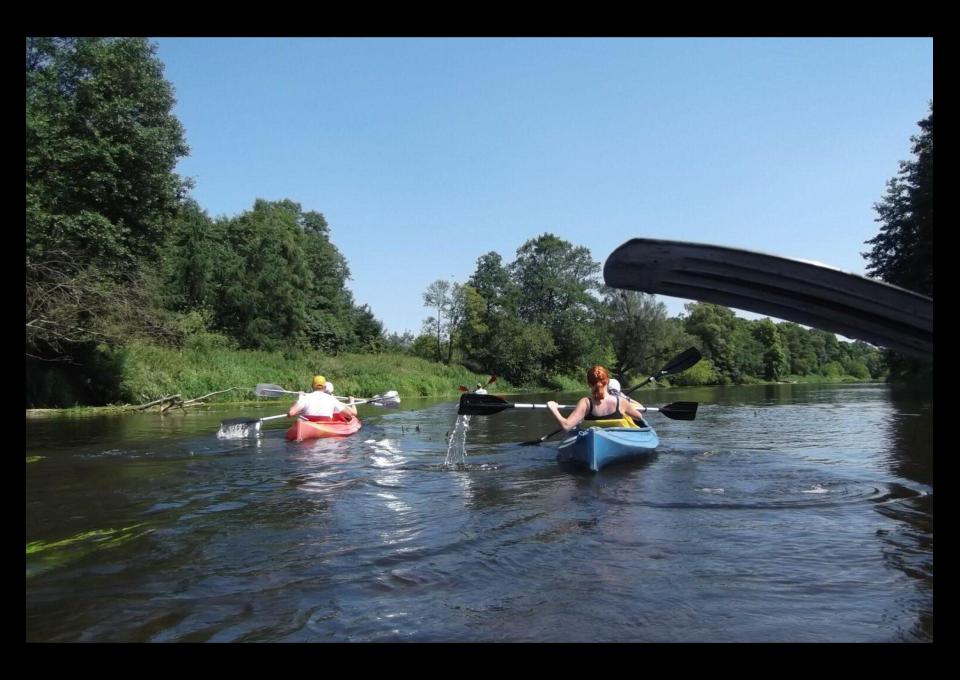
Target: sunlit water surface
{"x":781,"y":514}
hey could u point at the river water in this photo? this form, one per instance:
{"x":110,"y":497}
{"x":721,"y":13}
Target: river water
{"x":787,"y":513}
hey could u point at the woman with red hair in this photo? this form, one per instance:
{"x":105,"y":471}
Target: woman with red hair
{"x":608,"y":409}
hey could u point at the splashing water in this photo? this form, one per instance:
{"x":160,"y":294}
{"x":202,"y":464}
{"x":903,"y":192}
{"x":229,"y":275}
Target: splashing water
{"x":457,"y":444}
{"x":238,"y":430}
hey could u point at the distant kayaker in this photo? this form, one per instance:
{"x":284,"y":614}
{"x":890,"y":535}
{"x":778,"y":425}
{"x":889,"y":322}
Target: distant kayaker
{"x":479,"y":389}
{"x":320,"y":405}
{"x":600,"y":405}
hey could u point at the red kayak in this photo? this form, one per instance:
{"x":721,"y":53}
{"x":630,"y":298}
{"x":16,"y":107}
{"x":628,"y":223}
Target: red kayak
{"x":306,"y":429}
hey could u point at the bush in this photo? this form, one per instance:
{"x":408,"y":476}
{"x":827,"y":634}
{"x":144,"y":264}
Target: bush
{"x":703,"y":373}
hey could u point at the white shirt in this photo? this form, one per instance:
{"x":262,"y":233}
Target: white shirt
{"x":479,"y":390}
{"x":319,"y":403}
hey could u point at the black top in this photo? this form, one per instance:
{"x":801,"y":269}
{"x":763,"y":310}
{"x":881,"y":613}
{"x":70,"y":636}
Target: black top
{"x":616,"y":415}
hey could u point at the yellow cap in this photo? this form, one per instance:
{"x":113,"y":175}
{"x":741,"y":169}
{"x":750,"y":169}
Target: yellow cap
{"x":318,"y":382}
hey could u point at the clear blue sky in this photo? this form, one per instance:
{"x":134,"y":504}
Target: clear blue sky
{"x":425,"y":153}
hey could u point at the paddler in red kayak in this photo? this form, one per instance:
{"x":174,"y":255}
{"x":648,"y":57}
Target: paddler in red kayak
{"x":319,"y":405}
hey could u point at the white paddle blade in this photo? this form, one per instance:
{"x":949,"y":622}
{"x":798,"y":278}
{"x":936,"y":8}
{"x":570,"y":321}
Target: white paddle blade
{"x":389,"y":399}
{"x":267,"y":390}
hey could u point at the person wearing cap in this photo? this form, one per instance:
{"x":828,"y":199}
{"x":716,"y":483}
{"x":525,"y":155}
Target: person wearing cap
{"x":613,"y":387}
{"x":601,"y":405}
{"x":321,"y":405}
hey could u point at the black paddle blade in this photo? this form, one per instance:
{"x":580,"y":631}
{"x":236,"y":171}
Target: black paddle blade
{"x":680,"y":410}
{"x":481,"y":405}
{"x":682,"y":362}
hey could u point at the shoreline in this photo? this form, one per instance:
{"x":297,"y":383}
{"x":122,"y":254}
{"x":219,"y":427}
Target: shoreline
{"x":130,"y":408}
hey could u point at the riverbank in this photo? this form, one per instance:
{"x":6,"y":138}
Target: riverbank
{"x":141,"y":373}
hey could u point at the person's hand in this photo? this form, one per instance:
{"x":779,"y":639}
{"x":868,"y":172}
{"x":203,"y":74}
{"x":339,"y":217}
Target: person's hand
{"x":552,"y":405}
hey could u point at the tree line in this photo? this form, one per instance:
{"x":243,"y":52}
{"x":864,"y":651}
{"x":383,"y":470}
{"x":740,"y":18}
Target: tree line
{"x":116,"y":249}
{"x":547,"y":315}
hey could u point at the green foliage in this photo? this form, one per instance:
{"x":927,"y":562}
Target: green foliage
{"x":832,"y":369}
{"x":102,"y":144}
{"x":715,"y":327}
{"x":101,"y":148}
{"x":902,"y":253}
{"x":701,"y":373}
{"x":268,"y":278}
{"x":533,"y":318}
{"x":151,"y":372}
{"x":775,"y":362}
{"x":424,"y":346}
{"x":857,"y":369}
{"x":641,"y":336}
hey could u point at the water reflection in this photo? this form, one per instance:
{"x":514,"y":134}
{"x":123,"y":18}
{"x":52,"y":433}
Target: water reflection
{"x":768,"y":518}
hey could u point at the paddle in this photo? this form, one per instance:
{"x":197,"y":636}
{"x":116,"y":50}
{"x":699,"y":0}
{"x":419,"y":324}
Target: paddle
{"x":230,"y":422}
{"x":488,"y":404}
{"x":805,"y":292}
{"x":679,"y":363}
{"x":389,"y":399}
{"x":493,"y":379}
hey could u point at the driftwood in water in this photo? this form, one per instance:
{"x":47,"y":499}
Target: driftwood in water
{"x":176,"y":401}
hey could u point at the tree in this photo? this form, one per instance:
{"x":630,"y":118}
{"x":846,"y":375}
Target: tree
{"x":553,"y":280}
{"x":715,"y":327}
{"x":642,"y":337}
{"x":450,"y":301}
{"x":775,"y":364}
{"x":102,"y":144}
{"x":101,"y":147}
{"x":902,"y":253}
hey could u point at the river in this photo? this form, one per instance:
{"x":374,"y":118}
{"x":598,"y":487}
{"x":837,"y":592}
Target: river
{"x":783,"y":513}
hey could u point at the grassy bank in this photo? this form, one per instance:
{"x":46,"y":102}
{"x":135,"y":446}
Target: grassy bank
{"x":142,"y":372}
{"x":150,"y":372}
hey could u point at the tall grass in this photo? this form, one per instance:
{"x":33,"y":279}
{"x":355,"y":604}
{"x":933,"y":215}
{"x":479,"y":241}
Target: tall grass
{"x":150,"y":372}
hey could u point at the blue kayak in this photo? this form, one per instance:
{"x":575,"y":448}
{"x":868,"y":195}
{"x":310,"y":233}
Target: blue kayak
{"x":597,"y":447}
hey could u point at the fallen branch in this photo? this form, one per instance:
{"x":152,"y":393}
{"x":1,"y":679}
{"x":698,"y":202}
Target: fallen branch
{"x":175,"y":401}
{"x":158,"y":401}
{"x":189,"y":402}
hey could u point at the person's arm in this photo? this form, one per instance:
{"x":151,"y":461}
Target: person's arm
{"x":296,"y":408}
{"x":574,"y":418}
{"x":348,"y":408}
{"x":632,"y":408}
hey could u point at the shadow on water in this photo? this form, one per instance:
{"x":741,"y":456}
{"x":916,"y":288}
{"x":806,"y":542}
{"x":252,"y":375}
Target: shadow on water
{"x":910,"y":455}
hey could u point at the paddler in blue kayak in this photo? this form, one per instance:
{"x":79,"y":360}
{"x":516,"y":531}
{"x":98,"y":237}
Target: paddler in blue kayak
{"x":613,"y":387}
{"x":600,"y":408}
{"x":319,"y":405}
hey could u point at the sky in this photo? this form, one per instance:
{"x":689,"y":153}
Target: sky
{"x":425,"y":153}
